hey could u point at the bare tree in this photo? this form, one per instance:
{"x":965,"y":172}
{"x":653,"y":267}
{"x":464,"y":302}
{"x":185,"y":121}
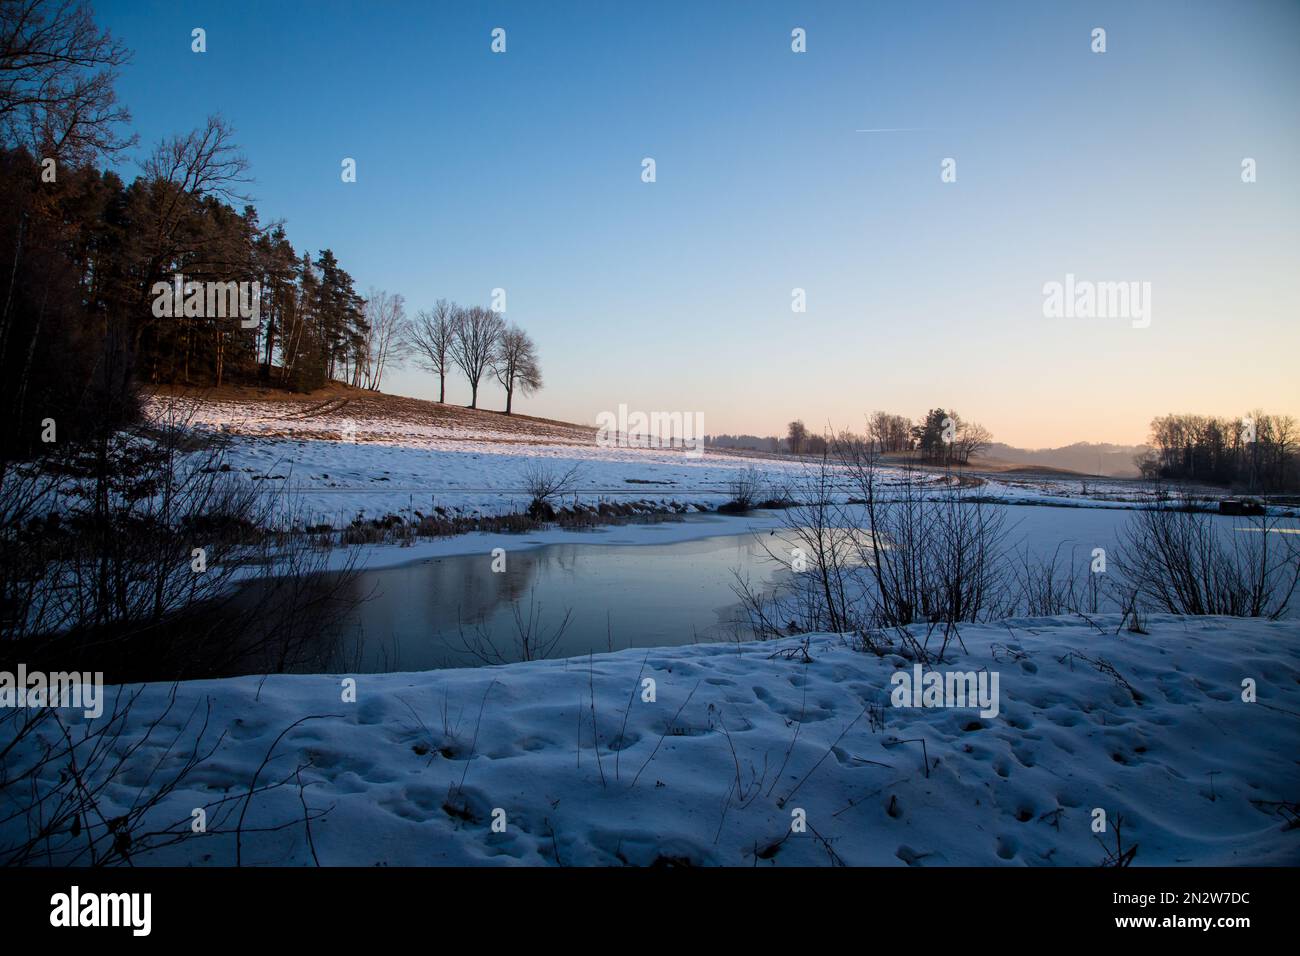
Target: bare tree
{"x":972,"y":438}
{"x":474,"y":345}
{"x":515,"y":364}
{"x":57,"y":70}
{"x":179,"y":174}
{"x":891,"y":433}
{"x":202,"y":162}
{"x":798,"y":434}
{"x":431,"y":336}
{"x":386,"y":337}
{"x":1285,"y":437}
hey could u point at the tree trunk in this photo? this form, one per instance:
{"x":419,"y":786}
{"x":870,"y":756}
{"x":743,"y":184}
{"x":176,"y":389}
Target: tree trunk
{"x":220,"y":358}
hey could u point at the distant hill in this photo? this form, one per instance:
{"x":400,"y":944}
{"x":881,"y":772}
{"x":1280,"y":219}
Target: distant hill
{"x":1088,"y":458}
{"x":1082,"y":458}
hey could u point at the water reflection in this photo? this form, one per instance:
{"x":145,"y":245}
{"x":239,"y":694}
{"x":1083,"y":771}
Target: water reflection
{"x":424,"y":615}
{"x":421,"y":616}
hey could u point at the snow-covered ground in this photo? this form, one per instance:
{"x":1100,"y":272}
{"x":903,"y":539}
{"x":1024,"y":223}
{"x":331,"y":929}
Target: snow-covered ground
{"x":730,"y":754}
{"x":343,"y":460}
{"x":742,"y":745}
{"x":336,"y":480}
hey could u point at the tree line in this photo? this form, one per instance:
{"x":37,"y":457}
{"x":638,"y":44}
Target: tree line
{"x":941,"y":437}
{"x":1258,"y":452}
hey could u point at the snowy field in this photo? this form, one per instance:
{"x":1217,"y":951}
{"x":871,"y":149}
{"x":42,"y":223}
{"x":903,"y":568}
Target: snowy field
{"x":342,"y":461}
{"x":576,"y":767}
{"x":767,"y":754}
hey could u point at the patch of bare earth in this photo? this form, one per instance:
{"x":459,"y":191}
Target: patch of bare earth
{"x":325,"y":412}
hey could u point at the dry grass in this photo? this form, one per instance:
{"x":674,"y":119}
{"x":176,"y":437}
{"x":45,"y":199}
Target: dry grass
{"x":331,"y":406}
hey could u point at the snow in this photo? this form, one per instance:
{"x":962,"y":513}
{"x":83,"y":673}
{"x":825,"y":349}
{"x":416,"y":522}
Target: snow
{"x":739,"y":744}
{"x":338,"y":480}
{"x":741,"y":737}
{"x":387,"y":467}
{"x":362,"y":457}
{"x":397,"y":467}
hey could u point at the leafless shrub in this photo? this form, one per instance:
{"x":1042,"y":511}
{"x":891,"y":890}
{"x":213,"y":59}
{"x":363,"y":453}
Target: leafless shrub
{"x":157,"y":556}
{"x":824,"y":550}
{"x":757,"y":609}
{"x":1120,"y":856}
{"x":927,"y":649}
{"x":456,"y":805}
{"x":876,"y":550}
{"x":1105,"y":667}
{"x":1046,"y":587}
{"x":798,"y":652}
{"x":909,"y":554}
{"x":1132,"y":616}
{"x":1182,"y":560}
{"x":746,"y":488}
{"x":544,"y":482}
{"x":935,"y":556}
{"x":62,"y":798}
{"x":530,"y":642}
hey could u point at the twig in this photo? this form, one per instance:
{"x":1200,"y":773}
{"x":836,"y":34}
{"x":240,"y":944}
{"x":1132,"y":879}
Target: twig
{"x":665,"y":734}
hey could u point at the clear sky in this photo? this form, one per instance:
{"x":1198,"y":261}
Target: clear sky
{"x":523,"y":171}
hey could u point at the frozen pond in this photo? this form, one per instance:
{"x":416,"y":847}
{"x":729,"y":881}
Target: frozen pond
{"x":456,"y":611}
{"x":584,"y":595}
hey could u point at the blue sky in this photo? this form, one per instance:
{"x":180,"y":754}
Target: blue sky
{"x":523,"y":171}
